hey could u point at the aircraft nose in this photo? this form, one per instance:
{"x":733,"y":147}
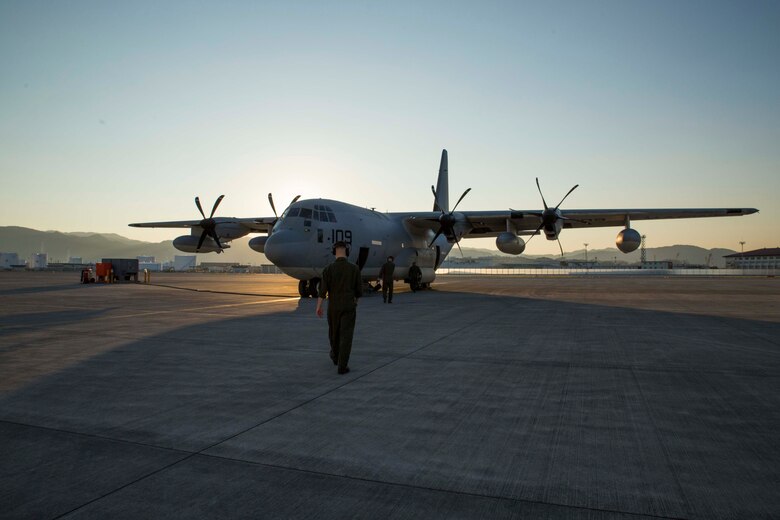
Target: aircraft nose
{"x":286,"y":248}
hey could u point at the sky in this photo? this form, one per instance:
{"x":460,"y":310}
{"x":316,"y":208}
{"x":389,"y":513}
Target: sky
{"x":120,"y":112}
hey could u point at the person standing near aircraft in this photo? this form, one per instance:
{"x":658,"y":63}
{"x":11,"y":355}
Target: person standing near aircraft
{"x":386,"y":275}
{"x":415,"y":275}
{"x":342,"y":285}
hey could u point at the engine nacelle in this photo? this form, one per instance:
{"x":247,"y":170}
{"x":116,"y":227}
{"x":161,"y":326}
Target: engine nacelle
{"x":189,"y":243}
{"x":228,"y":231}
{"x":628,"y":240}
{"x":258,"y":244}
{"x":510,"y":243}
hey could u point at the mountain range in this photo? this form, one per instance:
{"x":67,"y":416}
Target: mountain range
{"x":60,"y":247}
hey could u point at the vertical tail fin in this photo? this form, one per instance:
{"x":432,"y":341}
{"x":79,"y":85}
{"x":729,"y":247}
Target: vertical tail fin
{"x":442,"y":186}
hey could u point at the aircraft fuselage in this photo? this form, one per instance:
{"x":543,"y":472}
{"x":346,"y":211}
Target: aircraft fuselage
{"x":301,"y":242}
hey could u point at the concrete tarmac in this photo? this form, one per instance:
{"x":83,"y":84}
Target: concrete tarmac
{"x":488,"y":397}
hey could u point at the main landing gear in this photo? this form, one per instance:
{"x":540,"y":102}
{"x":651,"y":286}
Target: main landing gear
{"x":309,"y":288}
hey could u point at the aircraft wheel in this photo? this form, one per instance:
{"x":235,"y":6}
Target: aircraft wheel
{"x":303,"y":288}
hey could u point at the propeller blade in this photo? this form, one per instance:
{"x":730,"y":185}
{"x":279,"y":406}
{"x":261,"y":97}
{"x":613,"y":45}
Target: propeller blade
{"x":564,"y":197}
{"x":197,"y":203}
{"x":436,"y":199}
{"x":214,"y":235}
{"x":435,"y":237}
{"x":457,"y":243}
{"x":202,"y":238}
{"x":215,"y":205}
{"x":271,"y":200}
{"x":294,"y":200}
{"x":535,"y":233}
{"x":460,"y":199}
{"x":561,"y":247}
{"x":540,"y":192}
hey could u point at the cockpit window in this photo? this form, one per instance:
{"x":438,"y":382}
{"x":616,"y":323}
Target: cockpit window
{"x":321,"y":213}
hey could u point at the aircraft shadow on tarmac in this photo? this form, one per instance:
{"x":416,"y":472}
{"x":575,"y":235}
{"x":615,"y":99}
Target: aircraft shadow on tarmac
{"x":544,"y":404}
{"x":13,"y":323}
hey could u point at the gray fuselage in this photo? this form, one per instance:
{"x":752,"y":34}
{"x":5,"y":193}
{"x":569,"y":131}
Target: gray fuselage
{"x":301,"y":241}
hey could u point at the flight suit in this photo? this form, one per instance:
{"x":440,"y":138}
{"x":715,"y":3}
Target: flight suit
{"x":386,"y":273}
{"x":342,"y":285}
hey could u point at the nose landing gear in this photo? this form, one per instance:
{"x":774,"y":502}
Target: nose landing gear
{"x":309,"y":288}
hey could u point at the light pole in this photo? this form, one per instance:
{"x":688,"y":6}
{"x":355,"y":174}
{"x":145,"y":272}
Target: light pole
{"x":586,"y":254}
{"x":742,"y":245}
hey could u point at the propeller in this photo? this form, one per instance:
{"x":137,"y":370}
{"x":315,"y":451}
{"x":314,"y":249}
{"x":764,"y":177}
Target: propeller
{"x":273,"y":207}
{"x":550,"y":216}
{"x":209,"y":225}
{"x":447,"y":221}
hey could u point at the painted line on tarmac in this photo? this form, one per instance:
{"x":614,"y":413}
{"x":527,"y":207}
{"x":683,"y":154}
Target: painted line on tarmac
{"x":209,"y":307}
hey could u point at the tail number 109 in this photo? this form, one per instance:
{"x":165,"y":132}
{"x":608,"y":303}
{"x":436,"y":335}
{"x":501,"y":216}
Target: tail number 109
{"x":341,"y":235}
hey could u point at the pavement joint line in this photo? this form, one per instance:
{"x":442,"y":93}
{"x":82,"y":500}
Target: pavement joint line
{"x":553,"y":364}
{"x":97,"y":436}
{"x":126,"y":485}
{"x":659,"y":438}
{"x":338,"y":387}
{"x":299,"y":405}
{"x":191,"y":454}
{"x":741,"y":331}
{"x":436,"y":489}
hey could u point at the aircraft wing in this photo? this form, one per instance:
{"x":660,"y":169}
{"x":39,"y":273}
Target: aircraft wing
{"x":422,"y":221}
{"x":254,"y":225}
{"x":171,"y":224}
{"x":492,"y":223}
{"x":525,"y":222}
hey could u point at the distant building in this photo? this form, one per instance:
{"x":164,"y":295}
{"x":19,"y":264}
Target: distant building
{"x":66,"y":266}
{"x":39,"y":261}
{"x":658,"y":264}
{"x":266,"y":269}
{"x":767,"y":258}
{"x":74,"y":260}
{"x":145,"y":259}
{"x":184,"y":262}
{"x":149,"y":266}
{"x":220,"y":267}
{"x":7,"y":260}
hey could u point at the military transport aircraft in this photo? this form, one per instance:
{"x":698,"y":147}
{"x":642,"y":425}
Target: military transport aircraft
{"x":300,"y":241}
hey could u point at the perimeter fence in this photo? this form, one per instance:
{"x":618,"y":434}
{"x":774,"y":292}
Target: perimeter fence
{"x":508,"y":271}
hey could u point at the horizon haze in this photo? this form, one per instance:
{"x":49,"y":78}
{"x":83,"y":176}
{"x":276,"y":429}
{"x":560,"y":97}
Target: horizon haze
{"x":115,"y":113}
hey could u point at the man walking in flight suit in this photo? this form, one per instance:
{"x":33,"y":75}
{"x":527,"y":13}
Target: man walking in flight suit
{"x":342,"y":285}
{"x":386,"y":274}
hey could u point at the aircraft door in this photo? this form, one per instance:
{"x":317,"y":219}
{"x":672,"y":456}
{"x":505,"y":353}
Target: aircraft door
{"x":362,"y":257}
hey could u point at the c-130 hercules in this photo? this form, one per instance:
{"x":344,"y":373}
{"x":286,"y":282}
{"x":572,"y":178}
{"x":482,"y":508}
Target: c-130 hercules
{"x":299,"y":242}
